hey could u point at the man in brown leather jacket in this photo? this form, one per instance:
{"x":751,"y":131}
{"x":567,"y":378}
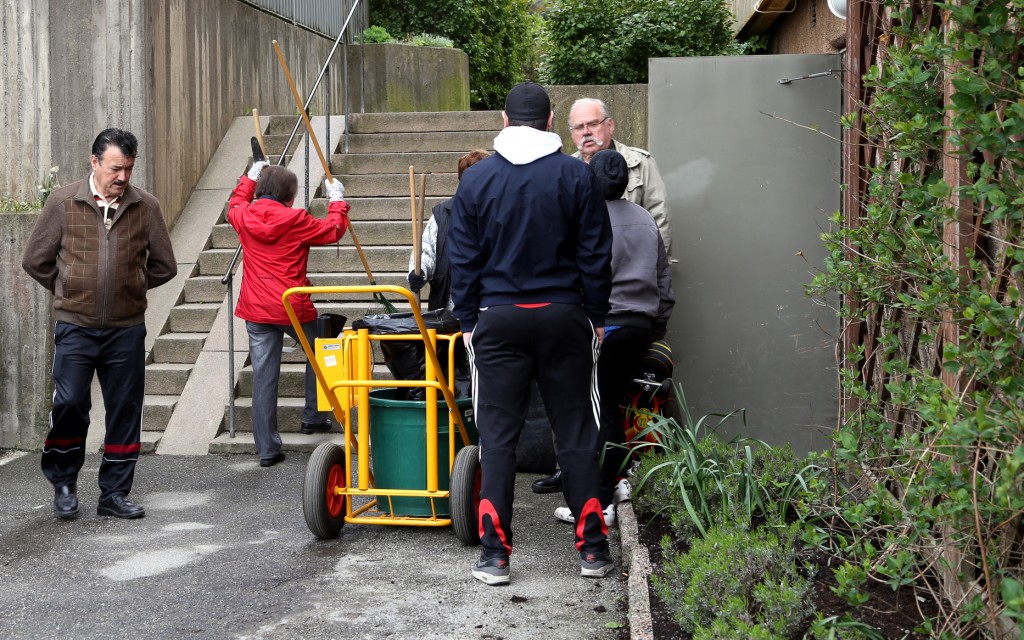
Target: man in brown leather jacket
{"x":99,"y":245}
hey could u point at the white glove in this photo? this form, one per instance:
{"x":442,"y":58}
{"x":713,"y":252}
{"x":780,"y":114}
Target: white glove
{"x":335,"y":190}
{"x":256,"y":169}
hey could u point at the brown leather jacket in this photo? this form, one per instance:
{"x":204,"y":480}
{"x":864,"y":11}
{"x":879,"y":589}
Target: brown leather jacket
{"x":99,"y":277}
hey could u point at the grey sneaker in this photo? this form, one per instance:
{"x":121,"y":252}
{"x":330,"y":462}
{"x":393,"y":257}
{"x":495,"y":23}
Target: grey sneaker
{"x":594,"y":564}
{"x":492,"y":571}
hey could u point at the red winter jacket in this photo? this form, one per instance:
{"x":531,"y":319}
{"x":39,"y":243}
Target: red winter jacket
{"x":275,"y":250}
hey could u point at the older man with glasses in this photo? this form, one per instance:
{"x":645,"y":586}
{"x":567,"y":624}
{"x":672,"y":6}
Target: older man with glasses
{"x":593,"y":128}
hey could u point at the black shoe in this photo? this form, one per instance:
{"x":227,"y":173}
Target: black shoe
{"x":309,"y":428}
{"x":120,"y":507}
{"x":271,"y":461}
{"x":65,"y":502}
{"x":550,"y":484}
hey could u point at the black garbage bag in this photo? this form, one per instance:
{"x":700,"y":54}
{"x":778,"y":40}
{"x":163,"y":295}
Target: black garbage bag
{"x":406,"y":359}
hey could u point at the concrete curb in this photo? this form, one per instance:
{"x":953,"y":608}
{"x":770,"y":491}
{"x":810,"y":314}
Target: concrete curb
{"x":637,"y":564}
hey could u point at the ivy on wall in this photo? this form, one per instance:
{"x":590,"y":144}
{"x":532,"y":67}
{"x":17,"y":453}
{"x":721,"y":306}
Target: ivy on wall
{"x":929,"y":267}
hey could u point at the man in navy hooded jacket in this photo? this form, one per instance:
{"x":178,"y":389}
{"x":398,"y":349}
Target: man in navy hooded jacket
{"x":530,"y":250}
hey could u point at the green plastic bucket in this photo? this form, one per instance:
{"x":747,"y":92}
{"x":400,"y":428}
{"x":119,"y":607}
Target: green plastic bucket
{"x":398,"y":448}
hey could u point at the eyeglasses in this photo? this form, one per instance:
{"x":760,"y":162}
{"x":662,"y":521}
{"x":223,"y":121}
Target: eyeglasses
{"x":588,"y":125}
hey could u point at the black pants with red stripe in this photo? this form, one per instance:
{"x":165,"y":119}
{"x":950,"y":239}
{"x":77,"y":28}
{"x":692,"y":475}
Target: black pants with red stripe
{"x":118,"y":357}
{"x":556,"y":346}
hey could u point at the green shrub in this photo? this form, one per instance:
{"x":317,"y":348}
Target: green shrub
{"x":493,"y":33}
{"x":429,"y":40}
{"x":695,"y":479}
{"x":928,"y":264}
{"x":737,"y":577}
{"x":377,"y":35}
{"x":610,"y":41}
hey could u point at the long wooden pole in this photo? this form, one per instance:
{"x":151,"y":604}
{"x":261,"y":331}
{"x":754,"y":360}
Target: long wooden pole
{"x":415,"y":220}
{"x":320,"y":153}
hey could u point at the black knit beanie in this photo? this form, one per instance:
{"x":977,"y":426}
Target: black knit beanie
{"x":610,"y":168}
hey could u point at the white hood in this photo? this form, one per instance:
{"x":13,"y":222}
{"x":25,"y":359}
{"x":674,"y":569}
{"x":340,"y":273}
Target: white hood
{"x":523,"y":145}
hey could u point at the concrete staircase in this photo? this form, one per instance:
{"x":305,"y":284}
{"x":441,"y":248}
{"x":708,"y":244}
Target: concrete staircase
{"x":187,"y":372}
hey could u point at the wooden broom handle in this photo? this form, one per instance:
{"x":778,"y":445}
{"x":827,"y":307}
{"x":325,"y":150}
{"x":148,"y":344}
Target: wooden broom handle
{"x":319,"y":152}
{"x":259,"y":130}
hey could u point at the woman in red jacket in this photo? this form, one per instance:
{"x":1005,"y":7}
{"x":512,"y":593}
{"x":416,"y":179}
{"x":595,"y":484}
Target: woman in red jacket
{"x":275,"y":246}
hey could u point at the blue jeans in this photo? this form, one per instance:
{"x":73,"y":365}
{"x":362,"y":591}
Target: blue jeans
{"x":265,"y":342}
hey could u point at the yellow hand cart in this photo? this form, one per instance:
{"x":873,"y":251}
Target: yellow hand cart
{"x":333,"y":484}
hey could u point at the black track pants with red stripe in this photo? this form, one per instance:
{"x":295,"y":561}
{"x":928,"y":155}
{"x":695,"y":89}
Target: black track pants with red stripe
{"x":556,"y":345}
{"x":118,"y":358}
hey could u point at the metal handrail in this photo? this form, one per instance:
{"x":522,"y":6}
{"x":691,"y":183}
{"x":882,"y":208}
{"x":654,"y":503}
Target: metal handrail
{"x":229,"y":276}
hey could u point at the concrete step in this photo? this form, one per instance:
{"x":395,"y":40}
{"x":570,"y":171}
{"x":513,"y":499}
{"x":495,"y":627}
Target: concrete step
{"x":182,"y":348}
{"x":195,"y":317}
{"x":243,"y":442}
{"x":157,"y":410}
{"x":163,"y":378}
{"x":289,"y":414}
{"x":283,"y":126}
{"x":396,"y":208}
{"x":205,"y":289}
{"x":292,"y":383}
{"x":427,"y":141}
{"x":396,"y":185}
{"x":214,"y":262}
{"x":424,"y":121}
{"x":369,"y":163}
{"x":370,"y":233}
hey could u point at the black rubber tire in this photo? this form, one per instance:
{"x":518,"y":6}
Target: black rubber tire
{"x":464,"y":495}
{"x":324,"y":511}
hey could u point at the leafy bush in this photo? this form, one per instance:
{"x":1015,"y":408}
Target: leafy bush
{"x":928,"y":264}
{"x":493,"y":33}
{"x":429,"y":40}
{"x":377,"y":35}
{"x":697,"y":480}
{"x":732,"y":581}
{"x":610,"y":41}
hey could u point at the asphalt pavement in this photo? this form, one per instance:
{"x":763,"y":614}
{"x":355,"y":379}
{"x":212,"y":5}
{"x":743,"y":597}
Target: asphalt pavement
{"x":224,"y":552}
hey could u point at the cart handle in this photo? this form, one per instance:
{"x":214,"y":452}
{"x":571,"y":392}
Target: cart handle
{"x":449,"y":395}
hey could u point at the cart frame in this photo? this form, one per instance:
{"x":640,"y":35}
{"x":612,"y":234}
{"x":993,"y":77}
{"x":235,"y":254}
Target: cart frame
{"x":351,"y":389}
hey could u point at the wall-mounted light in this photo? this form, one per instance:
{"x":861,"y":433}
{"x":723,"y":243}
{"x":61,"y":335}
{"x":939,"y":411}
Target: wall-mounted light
{"x":838,"y":8}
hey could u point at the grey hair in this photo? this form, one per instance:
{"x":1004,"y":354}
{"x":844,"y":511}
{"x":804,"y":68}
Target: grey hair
{"x":582,"y":101}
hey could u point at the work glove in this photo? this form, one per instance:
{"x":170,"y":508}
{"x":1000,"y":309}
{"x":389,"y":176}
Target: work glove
{"x":416,"y":281}
{"x":335,"y":190}
{"x":259,"y":161}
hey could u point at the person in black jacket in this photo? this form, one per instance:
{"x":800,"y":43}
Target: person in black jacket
{"x":530,"y":251}
{"x":434,"y":252}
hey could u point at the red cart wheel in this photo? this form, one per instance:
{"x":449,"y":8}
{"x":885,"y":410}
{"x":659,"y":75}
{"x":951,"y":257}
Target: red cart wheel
{"x":322,"y":505}
{"x":464,"y":495}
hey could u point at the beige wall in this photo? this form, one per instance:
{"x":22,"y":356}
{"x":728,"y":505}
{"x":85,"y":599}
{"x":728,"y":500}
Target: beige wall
{"x":175,"y":73}
{"x":26,"y":349}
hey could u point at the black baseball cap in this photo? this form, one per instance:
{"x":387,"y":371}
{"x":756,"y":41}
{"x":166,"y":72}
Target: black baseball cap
{"x":527,"y":101}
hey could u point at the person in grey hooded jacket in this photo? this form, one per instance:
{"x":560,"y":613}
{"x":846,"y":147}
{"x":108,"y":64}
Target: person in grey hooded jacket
{"x":641,"y":303}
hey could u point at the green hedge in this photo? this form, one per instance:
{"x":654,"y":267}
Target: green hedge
{"x":493,"y":33}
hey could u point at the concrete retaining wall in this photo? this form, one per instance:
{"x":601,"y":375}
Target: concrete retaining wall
{"x":26,"y":350}
{"x":175,"y":72}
